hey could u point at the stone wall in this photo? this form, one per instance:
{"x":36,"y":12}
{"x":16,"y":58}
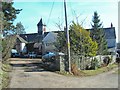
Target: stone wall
{"x":60,"y":63}
{"x":84,"y":62}
{"x":100,"y":58}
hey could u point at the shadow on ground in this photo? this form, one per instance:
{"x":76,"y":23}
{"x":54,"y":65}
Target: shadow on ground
{"x":33,"y":67}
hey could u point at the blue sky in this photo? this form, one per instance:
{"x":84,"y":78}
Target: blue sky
{"x":34,"y":10}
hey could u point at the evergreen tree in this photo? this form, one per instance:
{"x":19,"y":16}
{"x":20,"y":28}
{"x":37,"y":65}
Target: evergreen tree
{"x":10,"y":14}
{"x":19,"y":29}
{"x":1,"y":26}
{"x":8,"y":17}
{"x":98,"y":35}
{"x":80,"y":41}
{"x":81,"y":44}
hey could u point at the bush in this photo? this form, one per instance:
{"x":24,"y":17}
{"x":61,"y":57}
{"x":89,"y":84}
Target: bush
{"x":7,"y":45}
{"x":6,"y":68}
{"x":75,"y":70}
{"x":106,"y":60}
{"x":118,"y":60}
{"x":94,"y":65}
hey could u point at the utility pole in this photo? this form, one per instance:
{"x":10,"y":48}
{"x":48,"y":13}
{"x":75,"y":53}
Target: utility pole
{"x":67,"y":35}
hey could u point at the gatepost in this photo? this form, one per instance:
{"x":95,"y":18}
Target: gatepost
{"x":60,"y":62}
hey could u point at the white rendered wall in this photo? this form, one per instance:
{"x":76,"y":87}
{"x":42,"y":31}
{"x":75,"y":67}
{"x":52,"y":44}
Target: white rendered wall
{"x":23,"y":47}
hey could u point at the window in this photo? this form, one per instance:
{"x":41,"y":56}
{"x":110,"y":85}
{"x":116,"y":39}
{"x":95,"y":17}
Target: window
{"x":49,"y":44}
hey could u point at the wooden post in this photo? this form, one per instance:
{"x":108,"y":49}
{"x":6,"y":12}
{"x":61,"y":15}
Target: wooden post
{"x":67,"y":35}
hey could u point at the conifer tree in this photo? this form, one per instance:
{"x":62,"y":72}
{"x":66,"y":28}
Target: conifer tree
{"x":80,"y":41}
{"x":10,"y":14}
{"x":19,"y":29}
{"x":98,"y":34}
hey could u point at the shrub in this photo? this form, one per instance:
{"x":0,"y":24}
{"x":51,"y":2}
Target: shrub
{"x":118,"y":60}
{"x":106,"y":60}
{"x":94,"y":64}
{"x":75,"y":70}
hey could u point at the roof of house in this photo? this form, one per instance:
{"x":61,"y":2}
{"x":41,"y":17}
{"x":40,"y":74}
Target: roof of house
{"x":110,"y":35}
{"x":111,"y":43}
{"x":109,"y":32}
{"x":45,"y":34}
{"x":33,"y":37}
{"x":50,"y":37}
{"x":21,"y":39}
{"x":57,"y":31}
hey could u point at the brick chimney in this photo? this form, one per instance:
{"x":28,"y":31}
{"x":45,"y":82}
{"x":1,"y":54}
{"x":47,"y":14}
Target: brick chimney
{"x":44,"y":28}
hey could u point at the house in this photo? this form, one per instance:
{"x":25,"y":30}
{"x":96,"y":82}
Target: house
{"x":110,"y":36}
{"x":26,"y":43}
{"x":20,"y":44}
{"x":43,"y":42}
{"x":48,"y":42}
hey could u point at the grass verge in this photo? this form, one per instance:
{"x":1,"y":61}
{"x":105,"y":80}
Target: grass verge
{"x":6,"y":68}
{"x":5,"y":79}
{"x":65,"y":73}
{"x":84,"y":73}
{"x":118,"y":71}
{"x":100,"y":70}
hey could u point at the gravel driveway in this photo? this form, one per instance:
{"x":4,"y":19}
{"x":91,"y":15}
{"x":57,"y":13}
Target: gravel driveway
{"x":46,"y":79}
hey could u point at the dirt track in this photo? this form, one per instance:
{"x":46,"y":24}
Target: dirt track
{"x":45,"y":79}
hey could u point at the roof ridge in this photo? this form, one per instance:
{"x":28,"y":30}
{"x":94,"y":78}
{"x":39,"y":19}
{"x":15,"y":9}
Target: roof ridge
{"x":21,"y":39}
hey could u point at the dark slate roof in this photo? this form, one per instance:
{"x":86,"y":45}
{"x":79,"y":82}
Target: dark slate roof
{"x":111,"y":43}
{"x":110,"y":36}
{"x":33,"y":37}
{"x":20,"y":39}
{"x":37,"y":38}
{"x":57,"y":31}
{"x":45,"y":33}
{"x":109,"y":32}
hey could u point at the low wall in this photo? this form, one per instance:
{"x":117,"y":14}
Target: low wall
{"x":101,"y":57}
{"x":82,"y":63}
